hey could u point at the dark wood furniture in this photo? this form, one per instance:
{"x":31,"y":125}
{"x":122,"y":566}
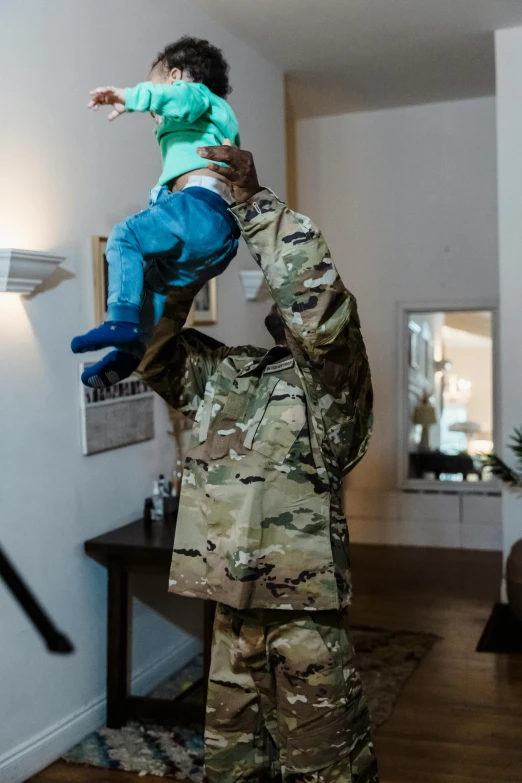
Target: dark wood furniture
{"x":437,"y":462}
{"x":138,"y":548}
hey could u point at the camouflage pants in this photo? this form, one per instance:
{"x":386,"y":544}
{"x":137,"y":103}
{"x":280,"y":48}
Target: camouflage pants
{"x":285,"y":700}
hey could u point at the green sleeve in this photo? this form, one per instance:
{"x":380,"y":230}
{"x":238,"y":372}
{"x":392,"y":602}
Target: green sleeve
{"x":184,"y":101}
{"x":179,"y":362}
{"x":321,"y":322}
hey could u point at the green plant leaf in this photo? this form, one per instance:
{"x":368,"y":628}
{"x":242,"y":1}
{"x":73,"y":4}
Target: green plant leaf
{"x":516,"y":445}
{"x":503,"y":472}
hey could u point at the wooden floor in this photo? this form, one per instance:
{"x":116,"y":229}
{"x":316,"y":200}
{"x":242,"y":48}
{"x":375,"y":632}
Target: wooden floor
{"x":459,"y":719}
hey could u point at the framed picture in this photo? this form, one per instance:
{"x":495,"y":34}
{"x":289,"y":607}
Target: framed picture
{"x":101,"y":278}
{"x":414,"y":345}
{"x":116,"y":416}
{"x":204,"y":309}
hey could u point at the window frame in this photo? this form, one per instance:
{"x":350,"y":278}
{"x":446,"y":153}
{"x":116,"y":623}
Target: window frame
{"x":404,"y":312}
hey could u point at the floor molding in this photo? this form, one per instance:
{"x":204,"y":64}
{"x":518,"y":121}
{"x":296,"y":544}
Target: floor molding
{"x":425,"y":533}
{"x":42,"y":749}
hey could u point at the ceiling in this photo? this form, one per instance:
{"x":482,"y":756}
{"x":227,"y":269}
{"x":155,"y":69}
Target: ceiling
{"x":354,"y":55}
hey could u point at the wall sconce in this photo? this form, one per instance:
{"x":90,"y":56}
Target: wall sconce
{"x":441,"y":366}
{"x":21,"y":271}
{"x":254,"y":285}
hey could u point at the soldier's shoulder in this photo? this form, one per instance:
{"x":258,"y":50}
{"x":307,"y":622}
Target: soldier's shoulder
{"x":192,"y":336}
{"x":248,"y":351}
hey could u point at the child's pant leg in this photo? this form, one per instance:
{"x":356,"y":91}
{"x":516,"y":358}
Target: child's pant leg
{"x":131,"y":242}
{"x":151,"y":311}
{"x":184,"y":240}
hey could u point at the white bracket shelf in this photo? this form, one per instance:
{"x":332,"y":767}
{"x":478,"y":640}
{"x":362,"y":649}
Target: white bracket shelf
{"x":22,"y":271}
{"x":254,"y":285}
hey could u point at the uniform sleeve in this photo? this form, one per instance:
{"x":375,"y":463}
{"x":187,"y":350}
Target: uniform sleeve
{"x":321,"y":322}
{"x":179,"y":362}
{"x":183,"y":101}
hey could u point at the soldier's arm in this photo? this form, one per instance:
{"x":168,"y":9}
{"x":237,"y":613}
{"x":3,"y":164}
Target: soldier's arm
{"x":320,"y":317}
{"x":178,"y":361}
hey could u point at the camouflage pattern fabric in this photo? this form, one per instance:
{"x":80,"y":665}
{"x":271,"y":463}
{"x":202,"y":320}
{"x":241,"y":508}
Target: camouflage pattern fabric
{"x":285,"y":700}
{"x":260,"y":522}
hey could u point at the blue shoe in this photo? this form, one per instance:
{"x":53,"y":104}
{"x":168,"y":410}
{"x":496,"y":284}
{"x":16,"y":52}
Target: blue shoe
{"x":110,"y":334}
{"x":114,"y":367}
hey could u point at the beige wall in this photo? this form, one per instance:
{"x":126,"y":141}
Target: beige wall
{"x":407,"y":201}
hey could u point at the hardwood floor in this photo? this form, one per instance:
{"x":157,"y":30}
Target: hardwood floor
{"x":459,"y":719}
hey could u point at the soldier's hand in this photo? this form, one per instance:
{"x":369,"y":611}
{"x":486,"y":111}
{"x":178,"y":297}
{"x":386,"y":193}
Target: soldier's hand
{"x":241,"y":171}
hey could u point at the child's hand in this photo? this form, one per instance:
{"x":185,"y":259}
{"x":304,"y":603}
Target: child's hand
{"x":108,"y":96}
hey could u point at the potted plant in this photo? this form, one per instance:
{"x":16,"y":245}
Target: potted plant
{"x":512,"y":479}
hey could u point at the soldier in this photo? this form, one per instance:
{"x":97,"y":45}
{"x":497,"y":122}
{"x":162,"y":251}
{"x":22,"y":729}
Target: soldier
{"x":260,"y":528}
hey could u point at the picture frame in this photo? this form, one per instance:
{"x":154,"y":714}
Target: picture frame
{"x":101,"y":278}
{"x":204,"y":309}
{"x":203,"y":312}
{"x":414,"y":346}
{"x":115,"y":416}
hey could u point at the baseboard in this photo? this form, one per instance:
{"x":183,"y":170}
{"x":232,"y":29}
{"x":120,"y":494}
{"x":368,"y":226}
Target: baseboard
{"x":425,"y":533}
{"x":42,"y":749}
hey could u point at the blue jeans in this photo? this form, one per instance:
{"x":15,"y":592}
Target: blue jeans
{"x":183,"y":238}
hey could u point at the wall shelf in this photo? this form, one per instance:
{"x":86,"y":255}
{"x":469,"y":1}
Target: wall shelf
{"x":22,"y":271}
{"x":254,"y":285}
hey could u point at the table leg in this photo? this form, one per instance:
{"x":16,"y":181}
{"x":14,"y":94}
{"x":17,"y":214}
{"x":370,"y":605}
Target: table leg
{"x":117,"y":641}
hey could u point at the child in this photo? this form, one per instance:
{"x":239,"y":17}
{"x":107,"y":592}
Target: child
{"x":187,"y":234}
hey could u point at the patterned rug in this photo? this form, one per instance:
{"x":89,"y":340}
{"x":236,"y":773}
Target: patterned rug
{"x":386,"y":659}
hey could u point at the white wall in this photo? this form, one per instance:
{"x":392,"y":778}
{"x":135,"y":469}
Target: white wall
{"x":67,"y":175}
{"x":508,"y":45}
{"x":407,"y":201}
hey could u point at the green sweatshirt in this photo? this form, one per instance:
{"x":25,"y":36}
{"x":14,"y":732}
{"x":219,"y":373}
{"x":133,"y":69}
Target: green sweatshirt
{"x":192,"y":116}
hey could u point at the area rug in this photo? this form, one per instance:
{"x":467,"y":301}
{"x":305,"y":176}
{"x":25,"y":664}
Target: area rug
{"x":503,"y":632}
{"x":386,"y":661}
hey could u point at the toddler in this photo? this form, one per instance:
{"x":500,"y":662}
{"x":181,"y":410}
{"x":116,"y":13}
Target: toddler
{"x":187,"y":234}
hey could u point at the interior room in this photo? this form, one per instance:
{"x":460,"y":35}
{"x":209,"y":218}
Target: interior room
{"x":394,"y":132}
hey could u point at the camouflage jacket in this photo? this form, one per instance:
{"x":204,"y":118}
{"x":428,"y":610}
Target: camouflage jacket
{"x":260,"y":521}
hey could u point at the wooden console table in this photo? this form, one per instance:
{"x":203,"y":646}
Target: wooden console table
{"x":136,"y":548}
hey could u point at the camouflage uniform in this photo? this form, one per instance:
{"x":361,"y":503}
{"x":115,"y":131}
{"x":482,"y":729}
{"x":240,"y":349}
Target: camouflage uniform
{"x":285,"y":698}
{"x":261,"y":528}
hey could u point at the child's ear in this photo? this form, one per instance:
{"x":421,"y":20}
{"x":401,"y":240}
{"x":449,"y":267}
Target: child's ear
{"x":175,"y":75}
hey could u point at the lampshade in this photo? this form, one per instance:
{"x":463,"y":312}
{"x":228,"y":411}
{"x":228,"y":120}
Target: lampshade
{"x":425,"y":414}
{"x":21,"y":271}
{"x":442,"y":364}
{"x":467,"y":427}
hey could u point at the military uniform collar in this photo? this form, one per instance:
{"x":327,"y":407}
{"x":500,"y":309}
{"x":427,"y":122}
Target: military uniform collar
{"x":272,"y":361}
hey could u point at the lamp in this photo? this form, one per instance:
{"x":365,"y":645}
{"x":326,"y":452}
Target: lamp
{"x":254,"y":284}
{"x":441,"y":365}
{"x":21,"y":271}
{"x":469,"y":428}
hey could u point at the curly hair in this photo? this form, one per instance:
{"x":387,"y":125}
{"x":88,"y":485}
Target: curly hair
{"x":204,"y":62}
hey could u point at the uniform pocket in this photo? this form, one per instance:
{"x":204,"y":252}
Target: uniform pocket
{"x":277,"y":425}
{"x":312,"y":749}
{"x":327,"y":625}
